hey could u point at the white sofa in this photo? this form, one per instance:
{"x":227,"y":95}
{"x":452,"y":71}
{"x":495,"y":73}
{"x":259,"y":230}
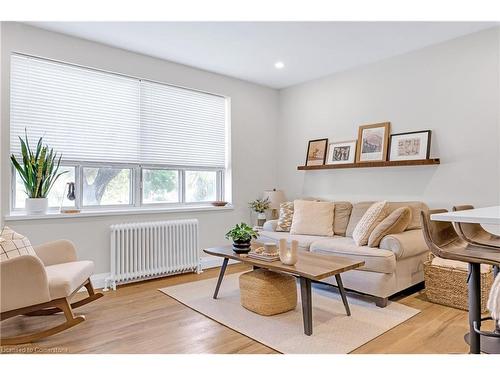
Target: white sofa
{"x":395,"y":265}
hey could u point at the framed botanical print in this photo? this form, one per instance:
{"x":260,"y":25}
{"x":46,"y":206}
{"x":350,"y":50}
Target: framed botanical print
{"x":316,"y":151}
{"x":341,"y":152}
{"x":410,"y":146}
{"x":373,"y":142}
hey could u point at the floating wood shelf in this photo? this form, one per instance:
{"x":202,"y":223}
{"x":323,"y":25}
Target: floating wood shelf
{"x":372,"y":164}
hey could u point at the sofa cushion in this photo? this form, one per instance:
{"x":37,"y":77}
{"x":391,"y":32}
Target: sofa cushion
{"x":312,"y":218}
{"x":415,"y":207}
{"x":376,"y":260}
{"x":305,"y":241}
{"x":285,"y":218}
{"x":396,"y":222}
{"x":372,"y":217}
{"x":64,"y":278}
{"x":342,"y":212}
{"x":357,"y":212}
{"x":13,"y":244}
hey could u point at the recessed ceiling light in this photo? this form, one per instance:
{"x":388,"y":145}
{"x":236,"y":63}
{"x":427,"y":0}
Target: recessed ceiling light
{"x":279,"y":65}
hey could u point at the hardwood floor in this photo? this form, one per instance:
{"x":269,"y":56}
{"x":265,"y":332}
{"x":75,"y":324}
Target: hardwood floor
{"x":137,"y":318}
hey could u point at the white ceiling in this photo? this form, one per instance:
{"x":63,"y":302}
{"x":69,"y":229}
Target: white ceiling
{"x":248,"y":50}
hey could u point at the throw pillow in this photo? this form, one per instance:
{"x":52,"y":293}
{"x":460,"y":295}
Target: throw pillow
{"x":341,"y":216}
{"x":312,"y":218}
{"x":396,"y":222}
{"x":372,"y":217}
{"x":285,"y":218}
{"x":14,"y":244}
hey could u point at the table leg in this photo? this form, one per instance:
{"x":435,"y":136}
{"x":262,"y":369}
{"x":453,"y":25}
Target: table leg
{"x":305,"y":292}
{"x":343,"y":294}
{"x":474,"y":307}
{"x":221,"y":276}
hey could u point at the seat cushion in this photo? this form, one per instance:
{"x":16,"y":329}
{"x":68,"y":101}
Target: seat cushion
{"x":64,"y":278}
{"x":304,"y":240}
{"x":342,"y":212}
{"x":376,"y":260}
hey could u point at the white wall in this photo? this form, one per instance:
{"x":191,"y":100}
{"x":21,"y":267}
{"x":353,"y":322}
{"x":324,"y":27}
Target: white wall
{"x":253,"y":118}
{"x":451,"y":88}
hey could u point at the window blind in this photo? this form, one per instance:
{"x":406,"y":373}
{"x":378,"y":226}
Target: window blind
{"x":89,"y":115}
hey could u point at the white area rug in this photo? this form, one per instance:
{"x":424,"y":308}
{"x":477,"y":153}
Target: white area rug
{"x":333,"y":331}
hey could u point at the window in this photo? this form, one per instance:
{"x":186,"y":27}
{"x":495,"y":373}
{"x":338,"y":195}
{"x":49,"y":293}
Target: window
{"x":160,"y":186}
{"x":124,"y":141}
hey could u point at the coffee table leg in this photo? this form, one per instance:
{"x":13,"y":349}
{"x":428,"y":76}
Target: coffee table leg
{"x":305,"y":292}
{"x":342,"y":294}
{"x":221,"y":276}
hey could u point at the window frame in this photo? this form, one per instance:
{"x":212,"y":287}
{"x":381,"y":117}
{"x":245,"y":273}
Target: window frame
{"x":136,"y":187}
{"x":223,"y":179}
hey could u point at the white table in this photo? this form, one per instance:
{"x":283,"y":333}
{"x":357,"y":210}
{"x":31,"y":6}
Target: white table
{"x":485,"y":215}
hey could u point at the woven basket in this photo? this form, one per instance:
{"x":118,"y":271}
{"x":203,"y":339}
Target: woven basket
{"x":448,"y":286}
{"x":267,"y":293}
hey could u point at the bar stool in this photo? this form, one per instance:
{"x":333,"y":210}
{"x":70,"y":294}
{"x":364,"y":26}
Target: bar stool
{"x":444,"y":242}
{"x":477,"y":235}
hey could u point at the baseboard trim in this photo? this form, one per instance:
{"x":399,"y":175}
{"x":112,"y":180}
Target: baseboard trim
{"x":98,"y":280}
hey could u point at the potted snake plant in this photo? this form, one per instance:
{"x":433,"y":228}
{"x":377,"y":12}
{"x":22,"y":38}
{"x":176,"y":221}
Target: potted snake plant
{"x":241,"y":234}
{"x":39,"y":170}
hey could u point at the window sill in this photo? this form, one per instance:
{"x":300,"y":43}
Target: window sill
{"x":21,"y":216}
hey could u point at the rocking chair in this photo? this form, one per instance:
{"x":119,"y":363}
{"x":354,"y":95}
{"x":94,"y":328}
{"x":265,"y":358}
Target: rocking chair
{"x":43,"y":285}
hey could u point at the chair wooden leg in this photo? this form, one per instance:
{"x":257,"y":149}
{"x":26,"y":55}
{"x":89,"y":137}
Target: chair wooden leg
{"x":92,"y":297}
{"x":71,"y":320}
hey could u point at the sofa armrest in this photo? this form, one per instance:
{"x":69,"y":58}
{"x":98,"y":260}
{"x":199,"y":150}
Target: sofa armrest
{"x":270,"y":225}
{"x":23,"y":282}
{"x":406,"y":244}
{"x":56,"y":252}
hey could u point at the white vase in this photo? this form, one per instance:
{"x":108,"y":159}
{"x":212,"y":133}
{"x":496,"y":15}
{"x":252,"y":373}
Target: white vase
{"x":261,"y":218}
{"x":36,"y":206}
{"x":288,"y":255}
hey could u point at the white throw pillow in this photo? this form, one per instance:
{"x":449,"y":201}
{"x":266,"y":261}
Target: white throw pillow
{"x":312,"y":218}
{"x":13,"y":244}
{"x":372,"y":217}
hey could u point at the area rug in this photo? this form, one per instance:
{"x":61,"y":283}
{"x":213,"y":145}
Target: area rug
{"x":333,"y":331}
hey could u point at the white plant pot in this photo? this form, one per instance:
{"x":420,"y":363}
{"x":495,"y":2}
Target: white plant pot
{"x":261,"y":218}
{"x":36,"y":206}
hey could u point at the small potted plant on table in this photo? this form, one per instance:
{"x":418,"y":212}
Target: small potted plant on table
{"x":260,"y":206}
{"x":39,"y":172}
{"x":241,"y":235}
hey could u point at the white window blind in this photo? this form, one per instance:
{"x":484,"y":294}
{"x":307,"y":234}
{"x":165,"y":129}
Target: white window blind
{"x":82,"y":113}
{"x":89,"y":115}
{"x":182,"y":126}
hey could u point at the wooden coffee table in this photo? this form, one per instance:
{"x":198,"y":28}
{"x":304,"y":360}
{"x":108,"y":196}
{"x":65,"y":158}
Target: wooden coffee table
{"x":309,"y":268}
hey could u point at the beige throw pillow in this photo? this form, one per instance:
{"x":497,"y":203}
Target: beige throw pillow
{"x":397,"y":221}
{"x":312,"y":218}
{"x":372,"y":217}
{"x":13,"y":244}
{"x":285,"y":218}
{"x":341,"y":215}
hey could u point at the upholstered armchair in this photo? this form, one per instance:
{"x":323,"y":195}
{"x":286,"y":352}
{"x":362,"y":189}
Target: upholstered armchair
{"x":43,"y":285}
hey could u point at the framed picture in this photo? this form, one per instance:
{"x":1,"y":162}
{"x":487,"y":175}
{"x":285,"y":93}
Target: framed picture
{"x":373,"y":142}
{"x":316,"y":151}
{"x":410,"y":146}
{"x":341,"y":152}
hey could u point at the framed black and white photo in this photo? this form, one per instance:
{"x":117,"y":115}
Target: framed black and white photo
{"x":410,"y":146}
{"x":341,"y":152}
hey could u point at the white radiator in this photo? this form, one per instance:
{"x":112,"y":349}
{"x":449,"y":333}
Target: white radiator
{"x":142,"y":251}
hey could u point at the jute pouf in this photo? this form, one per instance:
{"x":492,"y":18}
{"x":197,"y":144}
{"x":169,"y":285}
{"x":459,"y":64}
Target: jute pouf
{"x":268,"y":293}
